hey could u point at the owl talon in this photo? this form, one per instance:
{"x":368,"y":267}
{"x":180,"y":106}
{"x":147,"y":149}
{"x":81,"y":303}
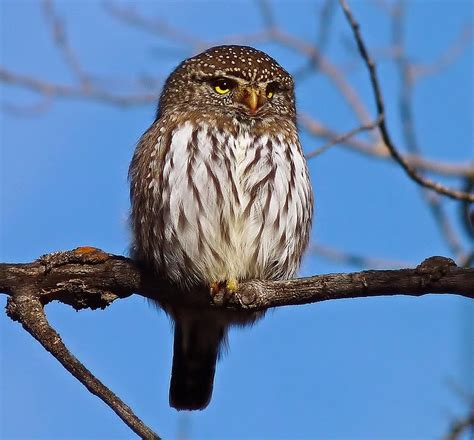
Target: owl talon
{"x":232,"y":285}
{"x":215,"y":288}
{"x":225,"y":287}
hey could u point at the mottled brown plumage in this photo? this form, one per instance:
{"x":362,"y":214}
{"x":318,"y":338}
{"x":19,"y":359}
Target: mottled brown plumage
{"x":220,"y":193}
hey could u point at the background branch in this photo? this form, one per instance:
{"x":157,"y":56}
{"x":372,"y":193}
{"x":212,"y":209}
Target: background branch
{"x":460,"y":426}
{"x":436,"y":186}
{"x":406,"y":112}
{"x":88,"y":278}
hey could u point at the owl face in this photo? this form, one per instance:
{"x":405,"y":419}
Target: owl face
{"x":239,"y":81}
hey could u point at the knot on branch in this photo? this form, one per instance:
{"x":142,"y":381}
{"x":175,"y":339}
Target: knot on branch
{"x":87,"y":277}
{"x":79,"y":295}
{"x":434,"y":268}
{"x":81,"y":255}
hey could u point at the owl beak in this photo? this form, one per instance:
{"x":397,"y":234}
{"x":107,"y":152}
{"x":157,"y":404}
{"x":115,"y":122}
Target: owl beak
{"x":252,"y":99}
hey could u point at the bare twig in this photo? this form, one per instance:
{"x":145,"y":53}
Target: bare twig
{"x":266,"y":12}
{"x":330,"y":70}
{"x":25,"y":307}
{"x":130,"y":15}
{"x":58,"y":32}
{"x":408,"y":128}
{"x":325,"y":20}
{"x":156,"y":26}
{"x":436,"y":186}
{"x":70,"y":91}
{"x":342,"y":138}
{"x":466,"y":211}
{"x":270,"y":33}
{"x":380,"y":151}
{"x":447,"y":57}
{"x":460,"y":426}
{"x":352,"y":259}
{"x":39,"y":107}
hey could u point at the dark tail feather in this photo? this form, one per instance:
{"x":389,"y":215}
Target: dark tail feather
{"x":196,"y":348}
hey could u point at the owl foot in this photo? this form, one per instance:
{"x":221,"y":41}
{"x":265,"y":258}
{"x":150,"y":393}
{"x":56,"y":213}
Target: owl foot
{"x":215,"y":288}
{"x":232,"y":285}
{"x":222,"y":290}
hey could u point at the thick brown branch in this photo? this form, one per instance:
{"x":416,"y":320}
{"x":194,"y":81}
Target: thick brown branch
{"x":90,"y":278}
{"x":25,"y":306}
{"x":87,"y":277}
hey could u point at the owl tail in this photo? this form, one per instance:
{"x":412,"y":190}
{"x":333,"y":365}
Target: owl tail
{"x":196,"y":348}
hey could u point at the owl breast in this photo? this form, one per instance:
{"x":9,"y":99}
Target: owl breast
{"x":228,"y":206}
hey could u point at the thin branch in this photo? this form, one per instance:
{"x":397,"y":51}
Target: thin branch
{"x":325,"y":21}
{"x":50,"y":90}
{"x":82,"y":91}
{"x":58,"y":32}
{"x":353,"y":259}
{"x":406,"y":113}
{"x":25,"y":307}
{"x":129,"y":15}
{"x":447,"y":57}
{"x":266,"y":13}
{"x":380,"y":151}
{"x":342,"y":138}
{"x":330,"y":70}
{"x":436,"y":186}
{"x":270,"y":33}
{"x":40,"y":107}
{"x":466,"y":211}
{"x":461,"y":426}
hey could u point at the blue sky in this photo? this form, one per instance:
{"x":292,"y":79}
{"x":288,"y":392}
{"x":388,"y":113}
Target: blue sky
{"x":376,"y":368}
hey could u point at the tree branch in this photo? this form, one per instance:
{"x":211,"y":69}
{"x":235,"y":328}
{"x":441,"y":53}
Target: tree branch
{"x":460,"y":427}
{"x":380,"y":151}
{"x":87,"y":277}
{"x":412,"y":172}
{"x":90,"y":278}
{"x":407,"y":118}
{"x":342,"y":138}
{"x":26,"y":307}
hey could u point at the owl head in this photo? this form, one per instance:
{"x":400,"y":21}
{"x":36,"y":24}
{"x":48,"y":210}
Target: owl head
{"x":239,"y":81}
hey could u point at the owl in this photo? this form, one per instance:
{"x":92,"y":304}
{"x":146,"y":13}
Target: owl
{"x":220,"y":193}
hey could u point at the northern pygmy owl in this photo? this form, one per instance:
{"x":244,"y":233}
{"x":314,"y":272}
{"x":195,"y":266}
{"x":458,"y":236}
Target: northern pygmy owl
{"x":220,"y":193}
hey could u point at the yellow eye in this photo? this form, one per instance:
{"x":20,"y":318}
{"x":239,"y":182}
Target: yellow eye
{"x":220,"y":90}
{"x":222,"y":85}
{"x":271,"y":89}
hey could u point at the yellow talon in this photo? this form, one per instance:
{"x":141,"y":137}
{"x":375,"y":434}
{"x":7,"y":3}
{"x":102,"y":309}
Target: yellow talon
{"x":229,"y":286}
{"x":232,"y":285}
{"x":214,"y":287}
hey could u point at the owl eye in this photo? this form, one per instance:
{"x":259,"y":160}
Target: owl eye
{"x":271,"y":89}
{"x":222,"y":85}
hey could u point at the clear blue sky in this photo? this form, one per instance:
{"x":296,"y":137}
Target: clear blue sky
{"x":375,"y":368}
